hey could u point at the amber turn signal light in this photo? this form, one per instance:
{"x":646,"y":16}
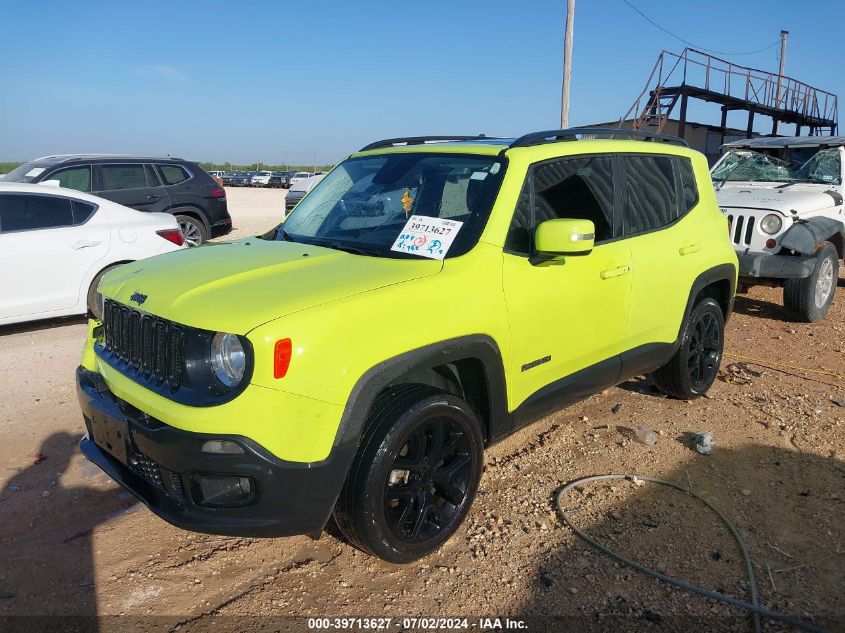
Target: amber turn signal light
{"x":281,"y":357}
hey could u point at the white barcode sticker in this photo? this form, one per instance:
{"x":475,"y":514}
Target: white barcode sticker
{"x":427,"y":237}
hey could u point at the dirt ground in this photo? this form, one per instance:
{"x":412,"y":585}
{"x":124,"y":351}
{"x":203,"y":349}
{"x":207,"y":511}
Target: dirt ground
{"x":73,"y":544}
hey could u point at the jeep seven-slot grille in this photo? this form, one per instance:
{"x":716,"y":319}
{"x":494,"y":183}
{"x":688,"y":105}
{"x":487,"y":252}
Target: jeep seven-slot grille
{"x":742,"y":229}
{"x":148,"y":344}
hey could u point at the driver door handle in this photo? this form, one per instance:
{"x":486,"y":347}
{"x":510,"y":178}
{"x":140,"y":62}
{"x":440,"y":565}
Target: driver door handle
{"x":85,"y":244}
{"x":152,"y":196}
{"x":689,"y":249}
{"x":615,"y":272}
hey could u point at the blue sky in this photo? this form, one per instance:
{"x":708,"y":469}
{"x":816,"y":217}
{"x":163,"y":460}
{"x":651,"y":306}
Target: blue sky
{"x":287,"y":81}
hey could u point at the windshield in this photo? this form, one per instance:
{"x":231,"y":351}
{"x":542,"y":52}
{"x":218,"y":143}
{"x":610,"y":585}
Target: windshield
{"x":365,"y":203}
{"x":28,"y":172}
{"x":822,"y":166}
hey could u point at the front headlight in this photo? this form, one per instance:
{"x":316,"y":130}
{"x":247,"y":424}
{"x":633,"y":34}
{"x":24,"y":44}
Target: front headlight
{"x":228,"y":359}
{"x":771,"y":224}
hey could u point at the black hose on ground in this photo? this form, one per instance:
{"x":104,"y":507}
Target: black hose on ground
{"x":753,"y":606}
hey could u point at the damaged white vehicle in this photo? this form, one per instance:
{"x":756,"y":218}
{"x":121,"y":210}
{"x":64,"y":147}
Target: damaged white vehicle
{"x":783,"y":198}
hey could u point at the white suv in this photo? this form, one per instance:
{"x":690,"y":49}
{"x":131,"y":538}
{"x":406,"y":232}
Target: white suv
{"x":783,"y":198}
{"x":261,"y":179}
{"x":299,"y":176}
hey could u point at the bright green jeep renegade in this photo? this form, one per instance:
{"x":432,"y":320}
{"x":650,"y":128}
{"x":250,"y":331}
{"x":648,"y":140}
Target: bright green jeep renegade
{"x":429,"y":297}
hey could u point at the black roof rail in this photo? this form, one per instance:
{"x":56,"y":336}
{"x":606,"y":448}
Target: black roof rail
{"x":572,"y":134}
{"x":419,"y":140}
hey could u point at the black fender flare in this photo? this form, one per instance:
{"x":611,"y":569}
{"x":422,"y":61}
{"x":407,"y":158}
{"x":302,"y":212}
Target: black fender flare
{"x":475,"y":346}
{"x":803,"y":236}
{"x":722,"y":272}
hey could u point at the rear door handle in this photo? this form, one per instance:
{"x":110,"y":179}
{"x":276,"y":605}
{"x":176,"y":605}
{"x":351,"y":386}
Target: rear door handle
{"x":152,"y":196}
{"x":615,"y":272}
{"x":689,"y":249}
{"x":85,"y":244}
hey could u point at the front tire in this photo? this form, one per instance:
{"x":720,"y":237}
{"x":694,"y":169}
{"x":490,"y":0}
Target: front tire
{"x":695,"y":365}
{"x":810,"y":298}
{"x":415,"y":475}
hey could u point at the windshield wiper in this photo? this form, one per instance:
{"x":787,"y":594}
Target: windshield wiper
{"x":346,"y":248}
{"x":727,"y":175}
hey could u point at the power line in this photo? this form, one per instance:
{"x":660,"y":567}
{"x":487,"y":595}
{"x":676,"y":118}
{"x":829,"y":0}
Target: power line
{"x":696,"y":46}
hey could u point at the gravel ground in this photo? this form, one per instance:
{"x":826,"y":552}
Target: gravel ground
{"x":73,"y":544}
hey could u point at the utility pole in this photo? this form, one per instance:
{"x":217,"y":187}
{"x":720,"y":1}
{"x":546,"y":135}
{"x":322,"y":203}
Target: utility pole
{"x":567,"y":64}
{"x":783,"y":37}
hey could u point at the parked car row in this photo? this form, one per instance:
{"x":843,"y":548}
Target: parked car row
{"x":264,"y":178}
{"x":170,"y":185}
{"x":299,"y":189}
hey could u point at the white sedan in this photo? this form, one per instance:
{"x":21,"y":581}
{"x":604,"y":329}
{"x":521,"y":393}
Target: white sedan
{"x":56,"y":244}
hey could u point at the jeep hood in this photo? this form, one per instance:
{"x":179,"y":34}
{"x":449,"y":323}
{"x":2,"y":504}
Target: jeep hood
{"x":237,"y":286}
{"x":783,"y":200}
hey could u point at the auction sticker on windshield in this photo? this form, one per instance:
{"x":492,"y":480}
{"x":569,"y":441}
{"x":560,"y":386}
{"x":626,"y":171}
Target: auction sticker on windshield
{"x":426,"y":236}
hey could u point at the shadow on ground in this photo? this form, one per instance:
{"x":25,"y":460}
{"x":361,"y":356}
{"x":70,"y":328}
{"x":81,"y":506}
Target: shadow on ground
{"x":795,"y":543}
{"x":744,"y":304}
{"x":46,"y":544}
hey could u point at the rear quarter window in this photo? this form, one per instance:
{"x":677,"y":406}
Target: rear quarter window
{"x":82,"y":211}
{"x":173,"y":174}
{"x":689,"y":188}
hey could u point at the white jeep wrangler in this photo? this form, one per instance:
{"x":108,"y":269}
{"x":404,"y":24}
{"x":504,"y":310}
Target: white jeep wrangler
{"x":784,"y":201}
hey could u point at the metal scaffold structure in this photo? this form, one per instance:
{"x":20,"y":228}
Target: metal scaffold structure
{"x":676,"y":78}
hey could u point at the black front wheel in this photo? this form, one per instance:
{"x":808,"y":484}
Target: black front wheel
{"x":415,"y":475}
{"x":695,"y":365}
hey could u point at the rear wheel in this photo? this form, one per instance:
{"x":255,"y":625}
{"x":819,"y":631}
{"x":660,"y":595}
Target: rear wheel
{"x":193,"y":230}
{"x":695,"y":365}
{"x":810,"y":298}
{"x":415,"y":475}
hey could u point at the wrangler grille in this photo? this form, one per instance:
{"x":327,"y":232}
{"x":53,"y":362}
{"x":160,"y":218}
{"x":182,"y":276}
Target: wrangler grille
{"x":742,"y":229}
{"x":149,"y":345}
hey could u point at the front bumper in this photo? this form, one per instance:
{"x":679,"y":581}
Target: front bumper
{"x":161,"y":465}
{"x":768,"y":266}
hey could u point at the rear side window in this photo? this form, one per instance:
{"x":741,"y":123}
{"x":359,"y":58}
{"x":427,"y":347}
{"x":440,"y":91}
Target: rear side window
{"x":21,"y":212}
{"x":173,"y":174}
{"x":124,"y":177}
{"x":78,"y":178}
{"x":651,"y":193}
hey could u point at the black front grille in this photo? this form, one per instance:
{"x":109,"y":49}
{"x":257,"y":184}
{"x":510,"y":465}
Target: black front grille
{"x":149,"y":345}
